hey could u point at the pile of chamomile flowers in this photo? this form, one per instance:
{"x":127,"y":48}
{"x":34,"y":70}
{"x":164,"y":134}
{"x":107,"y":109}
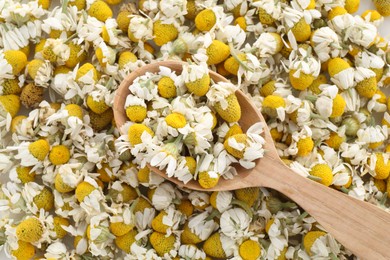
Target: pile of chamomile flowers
{"x":73,"y":188}
{"x":187,"y":125}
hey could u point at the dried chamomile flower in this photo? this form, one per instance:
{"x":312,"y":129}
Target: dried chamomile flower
{"x":299,"y":28}
{"x":373,"y":16}
{"x":326,"y":43}
{"x":100,"y":10}
{"x":97,"y":105}
{"x":341,"y":73}
{"x":31,"y":95}
{"x":217,"y":52}
{"x":382,"y":6}
{"x":196,"y":78}
{"x":24,"y":174}
{"x":25,"y":250}
{"x":380,"y":164}
{"x":87,"y":70}
{"x":268,"y":44}
{"x":366,"y":84}
{"x":205,"y":20}
{"x":269,"y":11}
{"x":224,"y":101}
{"x":140,"y":28}
{"x":303,"y":72}
{"x":197,"y":229}
{"x":77,"y":55}
{"x":218,"y":245}
{"x":10,"y":104}
{"x":83,"y":189}
{"x":273,"y":106}
{"x":10,"y":86}
{"x":125,"y":58}
{"x":370,"y":61}
{"x":250,"y":249}
{"x":137,"y":131}
{"x":55,"y":50}
{"x":324,"y":174}
{"x":39,"y":149}
{"x":310,"y":238}
{"x":30,"y":230}
{"x":164,"y":33}
{"x":248,"y":195}
{"x":163,"y":244}
{"x":17,"y":60}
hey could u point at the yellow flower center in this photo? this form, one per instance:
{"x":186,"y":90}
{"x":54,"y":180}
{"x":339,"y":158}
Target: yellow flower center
{"x":17,"y":60}
{"x":338,"y":106}
{"x":265,"y":18}
{"x":100,"y":10}
{"x":382,"y":169}
{"x":161,"y":243}
{"x":232,"y":64}
{"x":24,"y":174}
{"x":374,"y":15}
{"x":310,"y":238}
{"x":301,"y":30}
{"x":126,"y":57}
{"x":83,"y":189}
{"x":241,"y":22}
{"x":205,"y":20}
{"x":120,"y":228}
{"x":213,"y":246}
{"x":11,"y":104}
{"x":302,"y":82}
{"x":324,"y":172}
{"x":124,"y":242}
{"x":338,"y":10}
{"x":250,"y":250}
{"x":367,"y":87}
{"x":29,"y":230}
{"x":135,"y":132}
{"x":25,"y":251}
{"x":74,"y":110}
{"x":39,"y":149}
{"x":191,"y":164}
{"x":383,"y":7}
{"x":233,"y":111}
{"x":206,"y":181}
{"x":336,"y":65}
{"x":217,"y":52}
{"x":315,"y":86}
{"x":45,"y":199}
{"x":136,"y":113}
{"x":334,"y":141}
{"x":164,"y":33}
{"x":59,"y":154}
{"x":60,"y":185}
{"x":58,"y":223}
{"x":166,"y":87}
{"x":241,"y":139}
{"x":305,"y":146}
{"x":157,"y":223}
{"x":200,"y":86}
{"x":176,"y":120}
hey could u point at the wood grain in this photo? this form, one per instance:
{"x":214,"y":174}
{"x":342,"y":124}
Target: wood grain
{"x":361,"y":227}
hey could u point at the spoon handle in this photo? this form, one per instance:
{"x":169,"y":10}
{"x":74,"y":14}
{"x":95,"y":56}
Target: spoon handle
{"x":361,"y":227}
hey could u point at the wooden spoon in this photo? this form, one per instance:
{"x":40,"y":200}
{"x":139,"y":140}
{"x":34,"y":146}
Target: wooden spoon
{"x":361,"y":227}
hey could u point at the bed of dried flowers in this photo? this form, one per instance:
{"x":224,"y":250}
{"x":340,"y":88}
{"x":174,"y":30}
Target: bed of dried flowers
{"x":191,"y":128}
{"x":72,"y":191}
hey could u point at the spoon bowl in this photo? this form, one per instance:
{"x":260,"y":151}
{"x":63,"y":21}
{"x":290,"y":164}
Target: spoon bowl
{"x":361,"y":227}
